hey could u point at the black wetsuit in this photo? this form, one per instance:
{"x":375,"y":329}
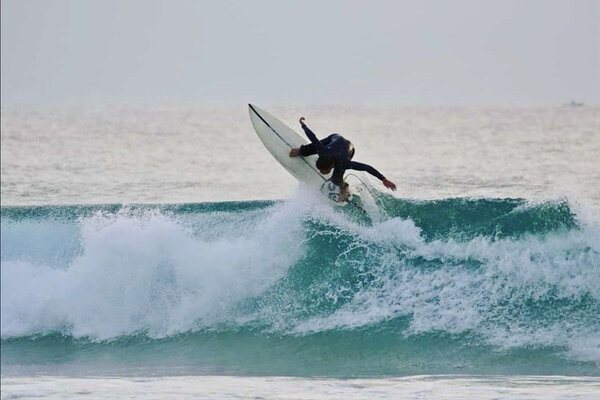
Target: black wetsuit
{"x":340,"y":150}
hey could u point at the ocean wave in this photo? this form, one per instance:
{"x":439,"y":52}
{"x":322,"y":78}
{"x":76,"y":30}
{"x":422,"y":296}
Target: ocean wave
{"x":500,"y":272}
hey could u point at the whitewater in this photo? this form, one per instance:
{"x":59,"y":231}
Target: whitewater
{"x":137,"y":254}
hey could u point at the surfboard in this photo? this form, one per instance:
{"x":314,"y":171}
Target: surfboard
{"x":279,"y":139}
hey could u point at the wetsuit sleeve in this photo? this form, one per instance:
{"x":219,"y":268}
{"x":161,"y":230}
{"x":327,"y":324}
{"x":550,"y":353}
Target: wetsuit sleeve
{"x":311,"y":148}
{"x":308,"y":149}
{"x":365,"y":167}
{"x":312,"y":137}
{"x":314,"y":146}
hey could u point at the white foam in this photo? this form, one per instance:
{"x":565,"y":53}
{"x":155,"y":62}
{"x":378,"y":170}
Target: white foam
{"x":480,"y":286}
{"x":147,"y":273}
{"x":442,"y":387}
{"x":150,"y":272}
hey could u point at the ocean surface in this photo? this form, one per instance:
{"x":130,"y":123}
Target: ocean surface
{"x":163,"y":251}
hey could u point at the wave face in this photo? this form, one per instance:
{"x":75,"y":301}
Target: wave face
{"x":300,"y":288}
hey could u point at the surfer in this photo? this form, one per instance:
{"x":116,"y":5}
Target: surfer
{"x":335,"y":152}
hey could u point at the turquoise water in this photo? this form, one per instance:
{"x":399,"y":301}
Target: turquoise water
{"x":301,"y":288}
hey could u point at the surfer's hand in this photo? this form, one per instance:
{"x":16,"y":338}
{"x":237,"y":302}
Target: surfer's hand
{"x":389,"y":184}
{"x":294,"y":152}
{"x":301,"y":120}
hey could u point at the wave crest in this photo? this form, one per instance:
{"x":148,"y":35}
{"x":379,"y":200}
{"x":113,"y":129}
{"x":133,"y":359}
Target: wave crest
{"x":504,"y":272}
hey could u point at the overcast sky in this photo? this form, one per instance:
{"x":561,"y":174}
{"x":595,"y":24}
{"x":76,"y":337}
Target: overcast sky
{"x":505,"y":52}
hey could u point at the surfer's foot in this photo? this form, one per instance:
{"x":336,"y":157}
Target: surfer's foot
{"x":294,"y":152}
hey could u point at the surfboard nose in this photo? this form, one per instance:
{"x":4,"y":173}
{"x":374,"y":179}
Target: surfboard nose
{"x":252,"y":108}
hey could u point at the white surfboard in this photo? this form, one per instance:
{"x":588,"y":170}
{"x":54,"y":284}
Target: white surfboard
{"x":279,"y":139}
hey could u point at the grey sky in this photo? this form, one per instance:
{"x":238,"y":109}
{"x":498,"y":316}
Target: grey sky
{"x":300,"y":52}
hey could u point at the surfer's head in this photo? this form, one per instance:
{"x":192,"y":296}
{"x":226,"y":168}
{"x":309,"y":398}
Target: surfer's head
{"x":324,"y":164}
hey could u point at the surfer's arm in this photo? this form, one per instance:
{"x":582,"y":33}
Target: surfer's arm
{"x":314,"y":146}
{"x":308,"y":149}
{"x":304,"y":150}
{"x":311,"y":148}
{"x":365,"y":167}
{"x":311,"y":136}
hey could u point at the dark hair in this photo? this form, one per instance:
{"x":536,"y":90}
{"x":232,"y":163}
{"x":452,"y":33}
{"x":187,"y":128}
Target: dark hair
{"x":324,"y":162}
